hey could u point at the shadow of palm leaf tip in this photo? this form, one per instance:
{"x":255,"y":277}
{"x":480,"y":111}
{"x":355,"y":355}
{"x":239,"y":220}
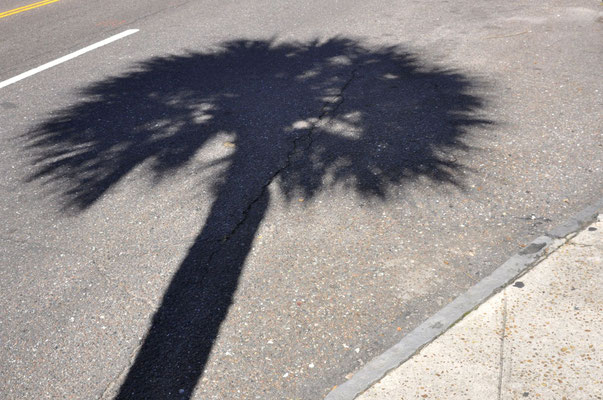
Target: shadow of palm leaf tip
{"x":303,"y":115}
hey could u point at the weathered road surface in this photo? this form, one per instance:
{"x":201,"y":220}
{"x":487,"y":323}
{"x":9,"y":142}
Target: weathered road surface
{"x":251,"y":199}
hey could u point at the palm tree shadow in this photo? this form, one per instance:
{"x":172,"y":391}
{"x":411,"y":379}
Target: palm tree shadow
{"x":283,"y":103}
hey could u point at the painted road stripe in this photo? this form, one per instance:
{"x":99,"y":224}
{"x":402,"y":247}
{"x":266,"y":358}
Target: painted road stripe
{"x":25,"y":8}
{"x":66,"y":58}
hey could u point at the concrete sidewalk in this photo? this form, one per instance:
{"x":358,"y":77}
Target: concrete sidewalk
{"x":538,"y":338}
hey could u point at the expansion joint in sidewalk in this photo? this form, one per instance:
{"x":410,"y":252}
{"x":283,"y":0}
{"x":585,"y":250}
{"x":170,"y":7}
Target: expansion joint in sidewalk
{"x":501,"y":362}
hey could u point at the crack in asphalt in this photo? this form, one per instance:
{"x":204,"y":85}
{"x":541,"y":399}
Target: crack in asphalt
{"x":328,"y":109}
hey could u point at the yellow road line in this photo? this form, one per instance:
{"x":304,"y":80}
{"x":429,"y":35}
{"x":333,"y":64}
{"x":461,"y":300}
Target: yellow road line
{"x":26,"y":8}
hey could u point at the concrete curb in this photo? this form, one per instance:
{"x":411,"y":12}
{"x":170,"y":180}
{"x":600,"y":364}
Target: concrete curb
{"x":433,"y":327}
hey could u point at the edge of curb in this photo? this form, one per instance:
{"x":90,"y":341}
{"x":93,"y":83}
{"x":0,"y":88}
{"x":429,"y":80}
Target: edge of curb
{"x":440,"y":322}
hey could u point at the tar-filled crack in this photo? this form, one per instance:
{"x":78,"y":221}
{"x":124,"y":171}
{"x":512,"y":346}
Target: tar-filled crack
{"x":328,"y":109}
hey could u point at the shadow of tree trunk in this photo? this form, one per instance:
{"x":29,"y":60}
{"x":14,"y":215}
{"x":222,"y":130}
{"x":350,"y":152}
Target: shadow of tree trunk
{"x":179,"y":342}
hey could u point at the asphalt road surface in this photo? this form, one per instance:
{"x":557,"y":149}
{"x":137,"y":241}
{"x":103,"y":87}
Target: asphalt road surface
{"x":251,"y":199}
